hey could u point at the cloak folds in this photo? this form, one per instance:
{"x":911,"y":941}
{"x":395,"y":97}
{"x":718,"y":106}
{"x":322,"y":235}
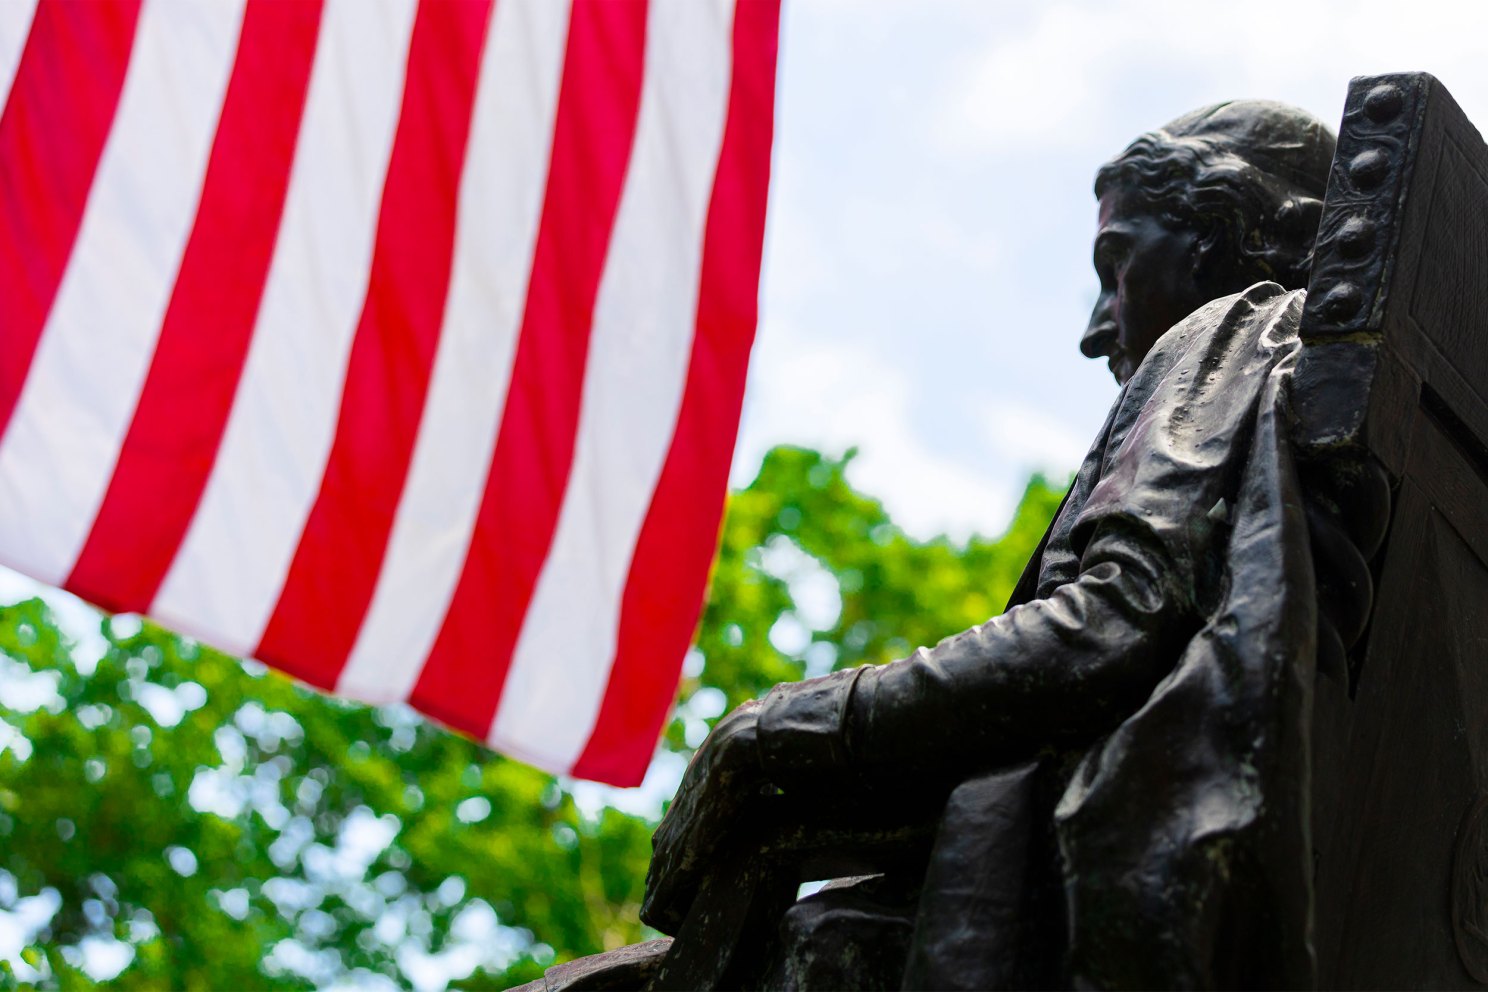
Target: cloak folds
{"x":1168,"y":640}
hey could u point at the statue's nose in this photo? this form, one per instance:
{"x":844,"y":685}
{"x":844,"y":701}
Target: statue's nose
{"x":1101,"y":333}
{"x":1100,"y":337}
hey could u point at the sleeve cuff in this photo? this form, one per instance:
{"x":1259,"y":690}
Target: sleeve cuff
{"x":803,"y":725}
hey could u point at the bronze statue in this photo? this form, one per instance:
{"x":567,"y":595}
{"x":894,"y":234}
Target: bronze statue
{"x":1173,"y":761}
{"x":1134,"y":573}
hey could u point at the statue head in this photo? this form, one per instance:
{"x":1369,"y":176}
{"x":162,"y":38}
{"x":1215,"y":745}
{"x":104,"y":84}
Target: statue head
{"x":1217,"y":200}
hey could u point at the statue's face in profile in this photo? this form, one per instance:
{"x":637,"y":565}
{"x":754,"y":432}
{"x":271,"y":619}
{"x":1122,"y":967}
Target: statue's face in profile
{"x":1150,"y":279}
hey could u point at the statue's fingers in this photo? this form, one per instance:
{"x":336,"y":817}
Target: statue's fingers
{"x":675,"y":825}
{"x":683,"y":848}
{"x":669,"y":895}
{"x":667,"y":874}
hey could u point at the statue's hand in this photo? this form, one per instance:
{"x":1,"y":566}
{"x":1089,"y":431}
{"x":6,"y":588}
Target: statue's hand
{"x":722,"y":781}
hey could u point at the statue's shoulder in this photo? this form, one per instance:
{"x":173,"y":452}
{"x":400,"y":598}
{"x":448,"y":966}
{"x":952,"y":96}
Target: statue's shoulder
{"x":1264,"y":303}
{"x":1220,"y":330}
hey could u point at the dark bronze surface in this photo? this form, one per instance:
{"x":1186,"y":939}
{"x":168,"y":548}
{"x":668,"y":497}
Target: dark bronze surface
{"x":1198,"y":750}
{"x":1470,"y":891}
{"x":1401,"y":748}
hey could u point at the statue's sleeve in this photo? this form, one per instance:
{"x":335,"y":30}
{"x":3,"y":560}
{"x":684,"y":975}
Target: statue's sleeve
{"x":1063,"y":667}
{"x":1077,"y":661}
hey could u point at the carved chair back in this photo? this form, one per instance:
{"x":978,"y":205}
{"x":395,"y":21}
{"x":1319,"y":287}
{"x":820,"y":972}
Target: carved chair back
{"x":1394,"y":377}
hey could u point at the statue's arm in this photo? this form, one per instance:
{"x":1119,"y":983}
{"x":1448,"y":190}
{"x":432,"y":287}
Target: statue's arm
{"x":1065,"y":667}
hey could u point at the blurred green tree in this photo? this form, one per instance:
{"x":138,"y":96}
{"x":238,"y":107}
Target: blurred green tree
{"x":171,"y":817}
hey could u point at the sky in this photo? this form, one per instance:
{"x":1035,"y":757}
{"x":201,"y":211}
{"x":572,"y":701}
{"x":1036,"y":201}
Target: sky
{"x":927,"y":258}
{"x":927,"y":272}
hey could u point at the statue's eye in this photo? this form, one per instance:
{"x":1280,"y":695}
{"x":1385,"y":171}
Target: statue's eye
{"x":1110,"y":254}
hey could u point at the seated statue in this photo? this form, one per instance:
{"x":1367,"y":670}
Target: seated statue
{"x":1111,"y":766}
{"x":1197,"y":750}
{"x":1106,"y":785}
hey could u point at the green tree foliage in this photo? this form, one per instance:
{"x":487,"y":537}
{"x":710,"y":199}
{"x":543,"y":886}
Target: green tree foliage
{"x":171,"y":817}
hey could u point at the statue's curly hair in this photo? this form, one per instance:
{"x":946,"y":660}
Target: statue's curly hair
{"x":1251,"y":173}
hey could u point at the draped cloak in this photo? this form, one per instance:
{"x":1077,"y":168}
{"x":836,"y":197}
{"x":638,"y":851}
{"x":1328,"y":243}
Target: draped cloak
{"x":1164,"y":635}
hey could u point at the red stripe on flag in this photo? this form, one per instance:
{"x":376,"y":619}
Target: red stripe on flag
{"x":331,"y":580}
{"x":177,"y":426}
{"x":463,"y":677}
{"x":52,"y":134}
{"x":660,"y":608}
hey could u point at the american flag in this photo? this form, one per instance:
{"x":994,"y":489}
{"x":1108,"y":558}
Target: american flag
{"x":400,"y":345}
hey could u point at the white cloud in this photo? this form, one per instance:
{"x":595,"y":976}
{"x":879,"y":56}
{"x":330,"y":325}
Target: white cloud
{"x":927,"y":265}
{"x":835,"y":396}
{"x":1025,"y":435}
{"x":1052,"y":80}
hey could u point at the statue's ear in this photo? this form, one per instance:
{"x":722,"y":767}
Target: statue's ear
{"x":1208,"y":252}
{"x":1289,"y":242}
{"x":1289,"y":222}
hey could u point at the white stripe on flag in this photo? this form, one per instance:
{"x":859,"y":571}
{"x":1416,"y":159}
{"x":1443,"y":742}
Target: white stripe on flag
{"x":501,"y":199}
{"x":227,"y":576}
{"x":15,"y":26}
{"x":644,"y":320}
{"x":75,"y":407}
